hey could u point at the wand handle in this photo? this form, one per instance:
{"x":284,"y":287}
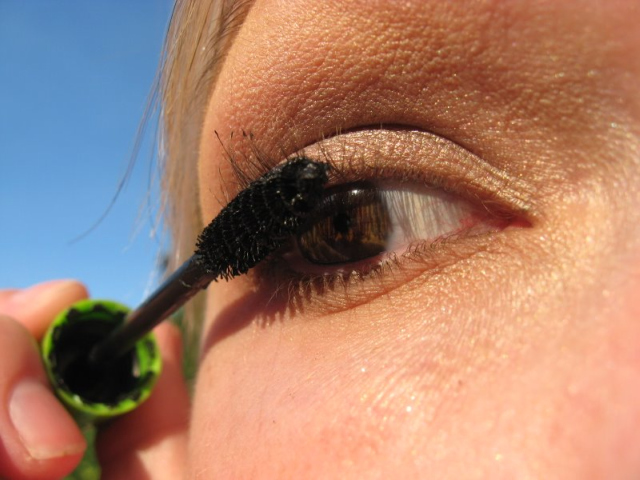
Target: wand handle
{"x":176,"y":290}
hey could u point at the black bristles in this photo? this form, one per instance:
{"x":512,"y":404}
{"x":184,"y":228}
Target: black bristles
{"x":260,"y":218}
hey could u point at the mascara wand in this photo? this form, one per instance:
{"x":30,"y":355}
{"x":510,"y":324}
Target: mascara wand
{"x":101,"y":358}
{"x":183,"y":284}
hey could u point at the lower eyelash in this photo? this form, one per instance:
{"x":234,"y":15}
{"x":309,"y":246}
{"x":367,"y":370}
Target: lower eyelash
{"x":291,"y":291}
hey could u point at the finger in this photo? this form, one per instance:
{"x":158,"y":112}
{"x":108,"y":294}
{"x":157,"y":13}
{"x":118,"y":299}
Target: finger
{"x":37,"y":306}
{"x":38,"y":438}
{"x":6,"y":293}
{"x":151,"y":441}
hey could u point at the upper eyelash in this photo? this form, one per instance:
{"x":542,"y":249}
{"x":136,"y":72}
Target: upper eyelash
{"x":500,"y":193}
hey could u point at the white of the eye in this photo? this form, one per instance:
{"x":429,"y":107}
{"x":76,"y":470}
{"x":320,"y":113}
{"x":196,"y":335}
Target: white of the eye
{"x":423,"y":215}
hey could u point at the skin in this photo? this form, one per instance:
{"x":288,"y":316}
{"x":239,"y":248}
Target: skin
{"x":512,"y":354}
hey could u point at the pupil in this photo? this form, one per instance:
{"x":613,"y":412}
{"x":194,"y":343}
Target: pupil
{"x":350,"y":225}
{"x":342,"y":223}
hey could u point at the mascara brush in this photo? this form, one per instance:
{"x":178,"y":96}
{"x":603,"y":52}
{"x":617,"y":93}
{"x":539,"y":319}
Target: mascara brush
{"x":254,"y":224}
{"x":101,"y":358}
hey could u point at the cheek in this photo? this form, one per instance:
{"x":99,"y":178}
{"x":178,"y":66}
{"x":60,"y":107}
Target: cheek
{"x":448,"y":381}
{"x":334,"y":395}
{"x":284,"y":398}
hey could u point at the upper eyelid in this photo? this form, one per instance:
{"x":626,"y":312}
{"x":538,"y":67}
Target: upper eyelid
{"x":419,"y":156}
{"x":398,"y":154}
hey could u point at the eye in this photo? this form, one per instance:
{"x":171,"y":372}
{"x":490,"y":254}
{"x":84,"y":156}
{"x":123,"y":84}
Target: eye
{"x":405,"y":205}
{"x":366,"y":222}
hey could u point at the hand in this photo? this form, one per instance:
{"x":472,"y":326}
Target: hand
{"x":40,"y":440}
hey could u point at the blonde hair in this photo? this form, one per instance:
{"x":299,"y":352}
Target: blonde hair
{"x":199,"y":34}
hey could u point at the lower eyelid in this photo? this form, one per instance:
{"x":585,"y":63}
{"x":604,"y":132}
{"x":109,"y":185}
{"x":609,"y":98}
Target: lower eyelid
{"x":316,"y":294}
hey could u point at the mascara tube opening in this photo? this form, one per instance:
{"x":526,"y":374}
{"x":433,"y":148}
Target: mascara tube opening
{"x":95,"y":391}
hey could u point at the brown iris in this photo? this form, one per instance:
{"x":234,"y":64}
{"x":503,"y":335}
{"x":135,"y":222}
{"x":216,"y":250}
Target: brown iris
{"x":351,"y":224}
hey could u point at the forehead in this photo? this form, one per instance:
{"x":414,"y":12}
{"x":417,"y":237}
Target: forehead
{"x":520,"y":62}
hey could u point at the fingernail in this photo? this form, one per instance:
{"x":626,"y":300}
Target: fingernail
{"x":45,"y":428}
{"x":39,"y":294}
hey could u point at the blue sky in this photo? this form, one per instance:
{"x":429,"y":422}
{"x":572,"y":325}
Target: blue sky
{"x":74,"y":79}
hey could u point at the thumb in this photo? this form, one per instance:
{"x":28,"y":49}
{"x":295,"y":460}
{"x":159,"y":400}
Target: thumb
{"x":150,"y":442}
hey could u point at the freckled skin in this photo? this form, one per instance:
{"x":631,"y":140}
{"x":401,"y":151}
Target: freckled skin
{"x":511,"y":356}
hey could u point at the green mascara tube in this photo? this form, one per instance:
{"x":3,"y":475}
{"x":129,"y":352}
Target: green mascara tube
{"x":95,"y":392}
